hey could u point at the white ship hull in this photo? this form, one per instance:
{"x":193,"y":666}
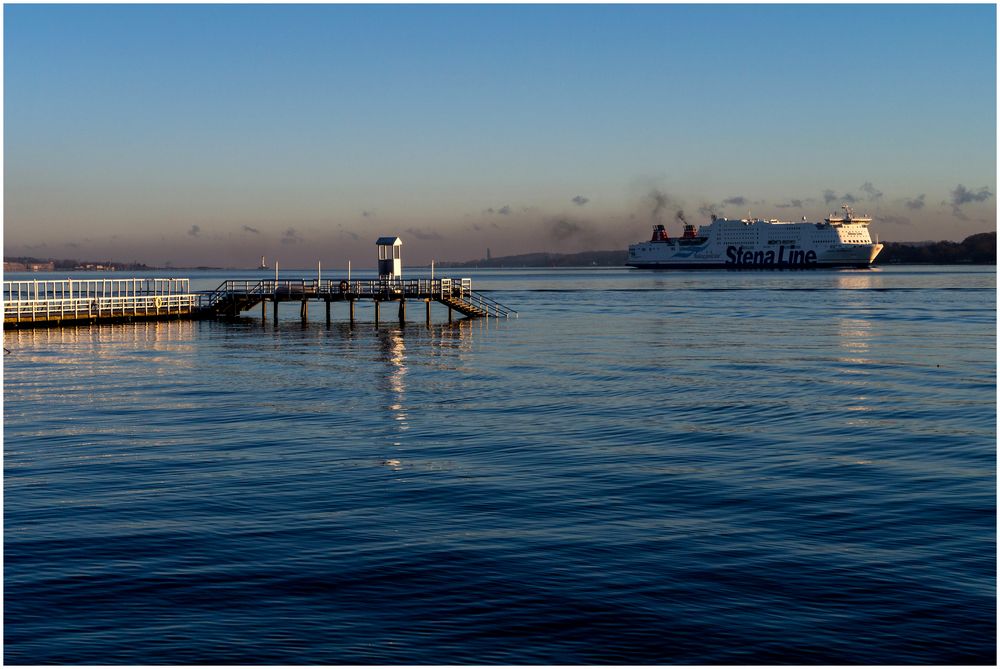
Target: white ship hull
{"x":759,"y":244}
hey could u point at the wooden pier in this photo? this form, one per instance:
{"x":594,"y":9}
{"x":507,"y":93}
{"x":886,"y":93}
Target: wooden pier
{"x":52,"y":303}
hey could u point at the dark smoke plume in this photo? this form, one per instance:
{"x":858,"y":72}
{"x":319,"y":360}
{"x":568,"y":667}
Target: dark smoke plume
{"x":247,"y":228}
{"x":580,"y":200}
{"x":895,"y":220}
{"x":916,"y":203}
{"x":831,"y":196}
{"x":562,"y":229}
{"x":791,"y":204}
{"x":659,"y":201}
{"x":873,"y":193}
{"x":425,"y":235}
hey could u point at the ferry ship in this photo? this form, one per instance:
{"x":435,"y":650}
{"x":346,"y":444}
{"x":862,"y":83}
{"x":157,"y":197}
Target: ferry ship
{"x":839,"y":241}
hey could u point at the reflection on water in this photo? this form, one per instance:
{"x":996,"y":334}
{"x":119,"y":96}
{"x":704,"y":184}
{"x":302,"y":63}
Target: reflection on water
{"x":860,"y":280}
{"x":393,"y":353}
{"x":144,"y":335}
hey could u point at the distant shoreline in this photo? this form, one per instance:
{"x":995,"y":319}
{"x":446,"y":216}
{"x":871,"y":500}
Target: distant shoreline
{"x":978,"y":249}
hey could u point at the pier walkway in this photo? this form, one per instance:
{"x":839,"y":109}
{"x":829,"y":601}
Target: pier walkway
{"x":57,"y":302}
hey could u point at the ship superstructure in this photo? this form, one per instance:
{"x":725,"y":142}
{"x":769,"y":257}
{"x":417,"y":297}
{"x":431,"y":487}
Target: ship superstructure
{"x":838,"y":241}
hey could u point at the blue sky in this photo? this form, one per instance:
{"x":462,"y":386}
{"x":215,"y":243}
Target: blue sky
{"x":214,"y":134}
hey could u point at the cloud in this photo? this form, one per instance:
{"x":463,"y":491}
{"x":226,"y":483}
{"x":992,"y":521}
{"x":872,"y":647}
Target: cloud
{"x":425,"y":235}
{"x":580,"y":200}
{"x":872,"y":192}
{"x":916,"y":203}
{"x":736,"y":201}
{"x":194,"y":231}
{"x":291,"y":236}
{"x":962,"y":196}
{"x":247,"y":228}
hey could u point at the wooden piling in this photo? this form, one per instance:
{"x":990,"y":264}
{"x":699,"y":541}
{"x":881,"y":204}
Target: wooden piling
{"x":328,"y":312}
{"x":402,"y":312}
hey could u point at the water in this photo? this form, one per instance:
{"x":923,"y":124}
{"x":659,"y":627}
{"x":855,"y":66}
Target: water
{"x":715,"y":467}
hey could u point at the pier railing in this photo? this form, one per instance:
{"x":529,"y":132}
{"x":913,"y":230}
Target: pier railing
{"x":78,"y":299}
{"x":358,"y":288}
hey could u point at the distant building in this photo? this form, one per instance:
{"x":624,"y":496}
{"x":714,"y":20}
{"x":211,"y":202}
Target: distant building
{"x":9,"y":266}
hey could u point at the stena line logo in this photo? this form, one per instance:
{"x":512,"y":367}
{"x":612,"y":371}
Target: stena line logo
{"x":783,"y":258}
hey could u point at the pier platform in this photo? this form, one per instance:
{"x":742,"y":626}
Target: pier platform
{"x":46,"y":303}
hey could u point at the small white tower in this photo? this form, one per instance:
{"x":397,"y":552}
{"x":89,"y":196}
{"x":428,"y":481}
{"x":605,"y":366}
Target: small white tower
{"x":389,"y":264}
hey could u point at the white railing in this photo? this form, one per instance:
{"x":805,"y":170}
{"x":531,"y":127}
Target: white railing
{"x":92,"y":298}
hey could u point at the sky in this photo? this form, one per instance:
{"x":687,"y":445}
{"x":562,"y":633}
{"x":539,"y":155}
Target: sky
{"x":217,"y":134}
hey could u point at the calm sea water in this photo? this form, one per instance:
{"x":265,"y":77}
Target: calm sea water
{"x":714,"y":467}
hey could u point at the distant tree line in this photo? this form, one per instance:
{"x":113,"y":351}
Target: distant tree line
{"x":979,"y":249}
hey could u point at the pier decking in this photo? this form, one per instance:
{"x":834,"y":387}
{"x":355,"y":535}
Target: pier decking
{"x":50,"y":303}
